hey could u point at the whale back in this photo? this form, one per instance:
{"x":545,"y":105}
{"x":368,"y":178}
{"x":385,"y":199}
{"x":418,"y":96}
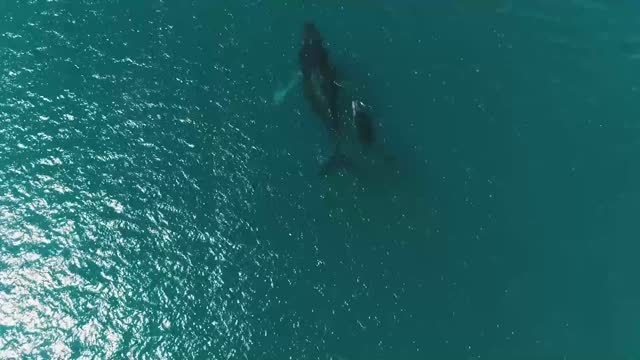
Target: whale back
{"x":319,"y":80}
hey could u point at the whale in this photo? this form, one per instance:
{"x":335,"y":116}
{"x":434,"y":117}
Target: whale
{"x":363,"y":123}
{"x":321,"y":90}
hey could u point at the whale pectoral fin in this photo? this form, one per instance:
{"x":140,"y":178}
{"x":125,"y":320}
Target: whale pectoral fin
{"x":280,"y":94}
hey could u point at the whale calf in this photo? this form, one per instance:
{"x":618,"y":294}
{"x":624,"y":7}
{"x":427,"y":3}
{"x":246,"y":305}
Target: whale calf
{"x":363,"y":123}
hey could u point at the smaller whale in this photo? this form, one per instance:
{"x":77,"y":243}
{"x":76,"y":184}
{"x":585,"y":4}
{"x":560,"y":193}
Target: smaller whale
{"x":363,"y":123}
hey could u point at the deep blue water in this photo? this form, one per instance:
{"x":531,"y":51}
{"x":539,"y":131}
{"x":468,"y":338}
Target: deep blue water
{"x":156,"y":204}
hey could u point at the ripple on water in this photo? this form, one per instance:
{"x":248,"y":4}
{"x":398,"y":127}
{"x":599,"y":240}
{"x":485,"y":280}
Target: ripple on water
{"x":121,"y":225}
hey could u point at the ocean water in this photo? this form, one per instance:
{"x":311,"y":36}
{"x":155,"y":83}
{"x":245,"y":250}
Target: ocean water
{"x":155,"y":203}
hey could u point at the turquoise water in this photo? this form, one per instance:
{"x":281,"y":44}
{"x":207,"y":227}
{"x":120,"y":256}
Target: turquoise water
{"x":156,"y":204}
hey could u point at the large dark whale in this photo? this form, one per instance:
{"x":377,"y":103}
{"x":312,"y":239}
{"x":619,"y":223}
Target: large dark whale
{"x":320,"y":88}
